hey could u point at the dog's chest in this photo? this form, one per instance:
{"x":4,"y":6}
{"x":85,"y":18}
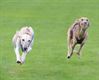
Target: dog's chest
{"x":79,"y":41}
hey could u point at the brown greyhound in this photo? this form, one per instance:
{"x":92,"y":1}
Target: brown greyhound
{"x":77,"y":34}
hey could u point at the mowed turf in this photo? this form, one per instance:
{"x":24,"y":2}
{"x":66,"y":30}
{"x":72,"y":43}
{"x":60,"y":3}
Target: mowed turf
{"x":50,"y":20}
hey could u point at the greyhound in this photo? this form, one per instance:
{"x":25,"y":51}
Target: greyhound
{"x":23,"y":39}
{"x":77,"y":34}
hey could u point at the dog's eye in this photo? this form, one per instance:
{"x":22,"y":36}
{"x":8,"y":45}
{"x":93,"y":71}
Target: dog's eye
{"x":81,"y":19}
{"x":23,"y":40}
{"x":29,"y":40}
{"x":86,"y":19}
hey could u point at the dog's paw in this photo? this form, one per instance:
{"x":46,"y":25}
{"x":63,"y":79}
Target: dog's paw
{"x":19,"y":62}
{"x":68,"y":57}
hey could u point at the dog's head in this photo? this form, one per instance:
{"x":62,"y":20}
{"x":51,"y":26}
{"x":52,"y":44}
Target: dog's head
{"x":25,"y":42}
{"x":83,"y":22}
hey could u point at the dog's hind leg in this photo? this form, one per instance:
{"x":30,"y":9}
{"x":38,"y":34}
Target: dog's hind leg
{"x":80,"y":49}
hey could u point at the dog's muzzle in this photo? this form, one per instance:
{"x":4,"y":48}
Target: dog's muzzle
{"x":23,"y":49}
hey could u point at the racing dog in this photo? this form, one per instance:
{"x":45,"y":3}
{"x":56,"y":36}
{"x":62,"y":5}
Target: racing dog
{"x":77,"y":34}
{"x":23,"y":39}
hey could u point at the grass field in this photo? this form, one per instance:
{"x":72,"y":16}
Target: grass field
{"x":50,"y":20}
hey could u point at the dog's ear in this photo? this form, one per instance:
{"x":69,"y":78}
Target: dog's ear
{"x":18,"y":34}
{"x":77,"y":21}
{"x":88,"y":23}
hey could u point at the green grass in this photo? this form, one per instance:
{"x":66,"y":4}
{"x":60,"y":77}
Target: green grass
{"x":50,"y":20}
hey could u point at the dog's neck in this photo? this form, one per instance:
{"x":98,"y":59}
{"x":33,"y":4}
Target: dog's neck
{"x":81,"y":33}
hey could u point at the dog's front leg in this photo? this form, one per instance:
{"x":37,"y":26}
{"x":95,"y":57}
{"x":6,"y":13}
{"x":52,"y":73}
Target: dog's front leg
{"x":29,"y":49}
{"x":69,"y":41}
{"x":24,"y":54}
{"x":18,"y":58}
{"x":82,"y":44}
{"x":72,"y":49}
{"x":23,"y":57}
{"x":69,"y":49}
{"x":86,"y":35}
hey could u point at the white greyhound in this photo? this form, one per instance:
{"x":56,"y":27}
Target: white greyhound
{"x":23,"y":39}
